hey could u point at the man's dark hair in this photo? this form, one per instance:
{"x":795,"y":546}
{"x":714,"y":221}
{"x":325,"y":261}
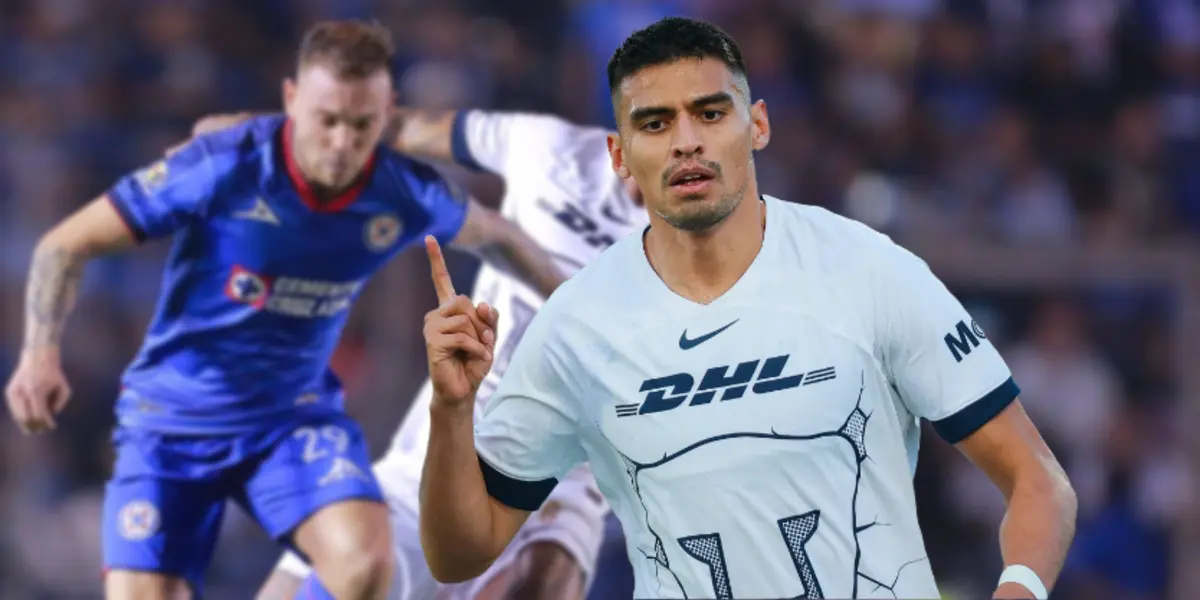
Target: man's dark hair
{"x":352,"y":49}
{"x":669,"y":40}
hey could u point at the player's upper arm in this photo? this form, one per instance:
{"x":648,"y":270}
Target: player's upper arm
{"x":938,"y":357}
{"x":95,"y":229}
{"x":1008,"y":446}
{"x":498,"y":141}
{"x":159,"y":199}
{"x":528,"y":437}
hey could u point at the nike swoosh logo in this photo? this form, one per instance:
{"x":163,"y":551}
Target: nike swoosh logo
{"x":686,"y":344}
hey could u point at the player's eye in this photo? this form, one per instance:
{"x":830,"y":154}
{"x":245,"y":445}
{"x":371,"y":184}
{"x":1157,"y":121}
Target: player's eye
{"x":329,"y":121}
{"x":653,"y":125}
{"x":362,"y":124}
{"x":712,"y":114}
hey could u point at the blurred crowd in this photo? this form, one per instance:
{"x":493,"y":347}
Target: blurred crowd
{"x":1053,"y":124}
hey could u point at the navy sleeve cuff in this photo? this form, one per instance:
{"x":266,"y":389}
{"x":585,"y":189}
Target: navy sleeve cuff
{"x":118,"y":204}
{"x":960,"y":425}
{"x":522,"y":495}
{"x":460,"y":149}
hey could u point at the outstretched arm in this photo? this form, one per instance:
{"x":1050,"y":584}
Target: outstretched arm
{"x":502,"y":244}
{"x":424,"y":133}
{"x":420,"y":133}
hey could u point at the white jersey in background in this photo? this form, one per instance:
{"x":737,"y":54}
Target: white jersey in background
{"x":763,"y":445}
{"x":561,"y":190}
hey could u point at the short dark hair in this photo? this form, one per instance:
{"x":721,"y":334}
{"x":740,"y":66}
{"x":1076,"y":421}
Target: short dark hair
{"x":352,"y":48}
{"x":669,"y":40}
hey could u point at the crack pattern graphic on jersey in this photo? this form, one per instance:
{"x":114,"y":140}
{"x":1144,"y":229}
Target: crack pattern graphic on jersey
{"x":891,"y":587}
{"x":796,"y":530}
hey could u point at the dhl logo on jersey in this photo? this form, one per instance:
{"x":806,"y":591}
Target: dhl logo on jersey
{"x":290,"y":296}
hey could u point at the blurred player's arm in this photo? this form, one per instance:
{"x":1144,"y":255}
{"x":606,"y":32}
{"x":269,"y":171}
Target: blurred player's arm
{"x":219,"y":121}
{"x":424,"y":133}
{"x":481,"y":483}
{"x":501,"y":142}
{"x":475,"y":139}
{"x":947,"y":371}
{"x":503,"y":245}
{"x":151,"y":202}
{"x":57,"y":268}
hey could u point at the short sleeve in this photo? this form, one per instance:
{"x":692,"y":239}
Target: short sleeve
{"x":938,"y":358}
{"x":445,"y":202}
{"x":501,"y":142}
{"x":527,"y":438}
{"x":158,"y":199}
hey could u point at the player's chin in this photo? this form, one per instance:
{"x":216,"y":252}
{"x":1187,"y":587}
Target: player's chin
{"x":696,"y":215}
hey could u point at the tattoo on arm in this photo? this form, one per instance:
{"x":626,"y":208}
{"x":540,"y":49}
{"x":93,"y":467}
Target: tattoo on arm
{"x":54,"y":278}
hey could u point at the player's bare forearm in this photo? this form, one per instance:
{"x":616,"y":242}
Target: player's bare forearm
{"x":1037,"y":528}
{"x":462,"y":529}
{"x":1039,"y":523}
{"x":57,"y":269}
{"x":423,"y":133}
{"x":505,"y":246}
{"x":546,"y":571}
{"x":54,"y":277}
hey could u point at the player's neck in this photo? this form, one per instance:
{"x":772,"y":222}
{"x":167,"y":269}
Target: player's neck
{"x":327,"y":194}
{"x":702,"y":266}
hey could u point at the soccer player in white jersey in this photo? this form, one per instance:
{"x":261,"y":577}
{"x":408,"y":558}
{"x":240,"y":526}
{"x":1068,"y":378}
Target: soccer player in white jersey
{"x":559,"y":188}
{"x":746,"y":378}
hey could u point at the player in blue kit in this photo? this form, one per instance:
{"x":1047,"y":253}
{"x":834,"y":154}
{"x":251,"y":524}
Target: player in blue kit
{"x":277,"y":224}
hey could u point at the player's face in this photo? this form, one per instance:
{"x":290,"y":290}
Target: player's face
{"x":336,"y":121}
{"x":686,"y":135}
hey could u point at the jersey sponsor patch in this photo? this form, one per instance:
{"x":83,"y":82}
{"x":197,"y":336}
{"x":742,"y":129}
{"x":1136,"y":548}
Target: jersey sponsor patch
{"x":290,"y":296}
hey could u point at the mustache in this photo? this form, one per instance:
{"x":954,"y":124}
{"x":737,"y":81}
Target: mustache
{"x":707,"y":164}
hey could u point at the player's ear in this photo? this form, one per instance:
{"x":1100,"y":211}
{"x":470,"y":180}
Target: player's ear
{"x":617,"y":155}
{"x":289,"y":93}
{"x":760,"y":134}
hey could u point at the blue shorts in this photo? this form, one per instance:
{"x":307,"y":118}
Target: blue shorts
{"x":164,"y":505}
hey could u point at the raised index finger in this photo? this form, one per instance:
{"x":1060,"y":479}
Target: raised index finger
{"x":437,"y":270}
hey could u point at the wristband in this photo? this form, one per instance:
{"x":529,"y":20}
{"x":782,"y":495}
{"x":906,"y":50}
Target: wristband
{"x":1027,"y":577}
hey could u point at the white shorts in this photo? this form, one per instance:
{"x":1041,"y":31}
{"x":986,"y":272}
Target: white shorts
{"x":572,"y":517}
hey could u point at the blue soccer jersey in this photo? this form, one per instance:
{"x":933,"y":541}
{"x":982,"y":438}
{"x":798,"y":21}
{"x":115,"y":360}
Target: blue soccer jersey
{"x":260,"y":279}
{"x":231,"y":396}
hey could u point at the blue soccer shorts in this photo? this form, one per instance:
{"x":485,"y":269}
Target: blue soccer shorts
{"x":164,"y":505}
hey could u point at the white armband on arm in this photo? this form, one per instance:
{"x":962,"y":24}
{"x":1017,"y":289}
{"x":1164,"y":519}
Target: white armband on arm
{"x":1023,"y":575}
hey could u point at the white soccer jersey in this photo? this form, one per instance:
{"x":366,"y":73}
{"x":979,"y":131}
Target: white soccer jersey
{"x":560,"y":189}
{"x":763,"y":445}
